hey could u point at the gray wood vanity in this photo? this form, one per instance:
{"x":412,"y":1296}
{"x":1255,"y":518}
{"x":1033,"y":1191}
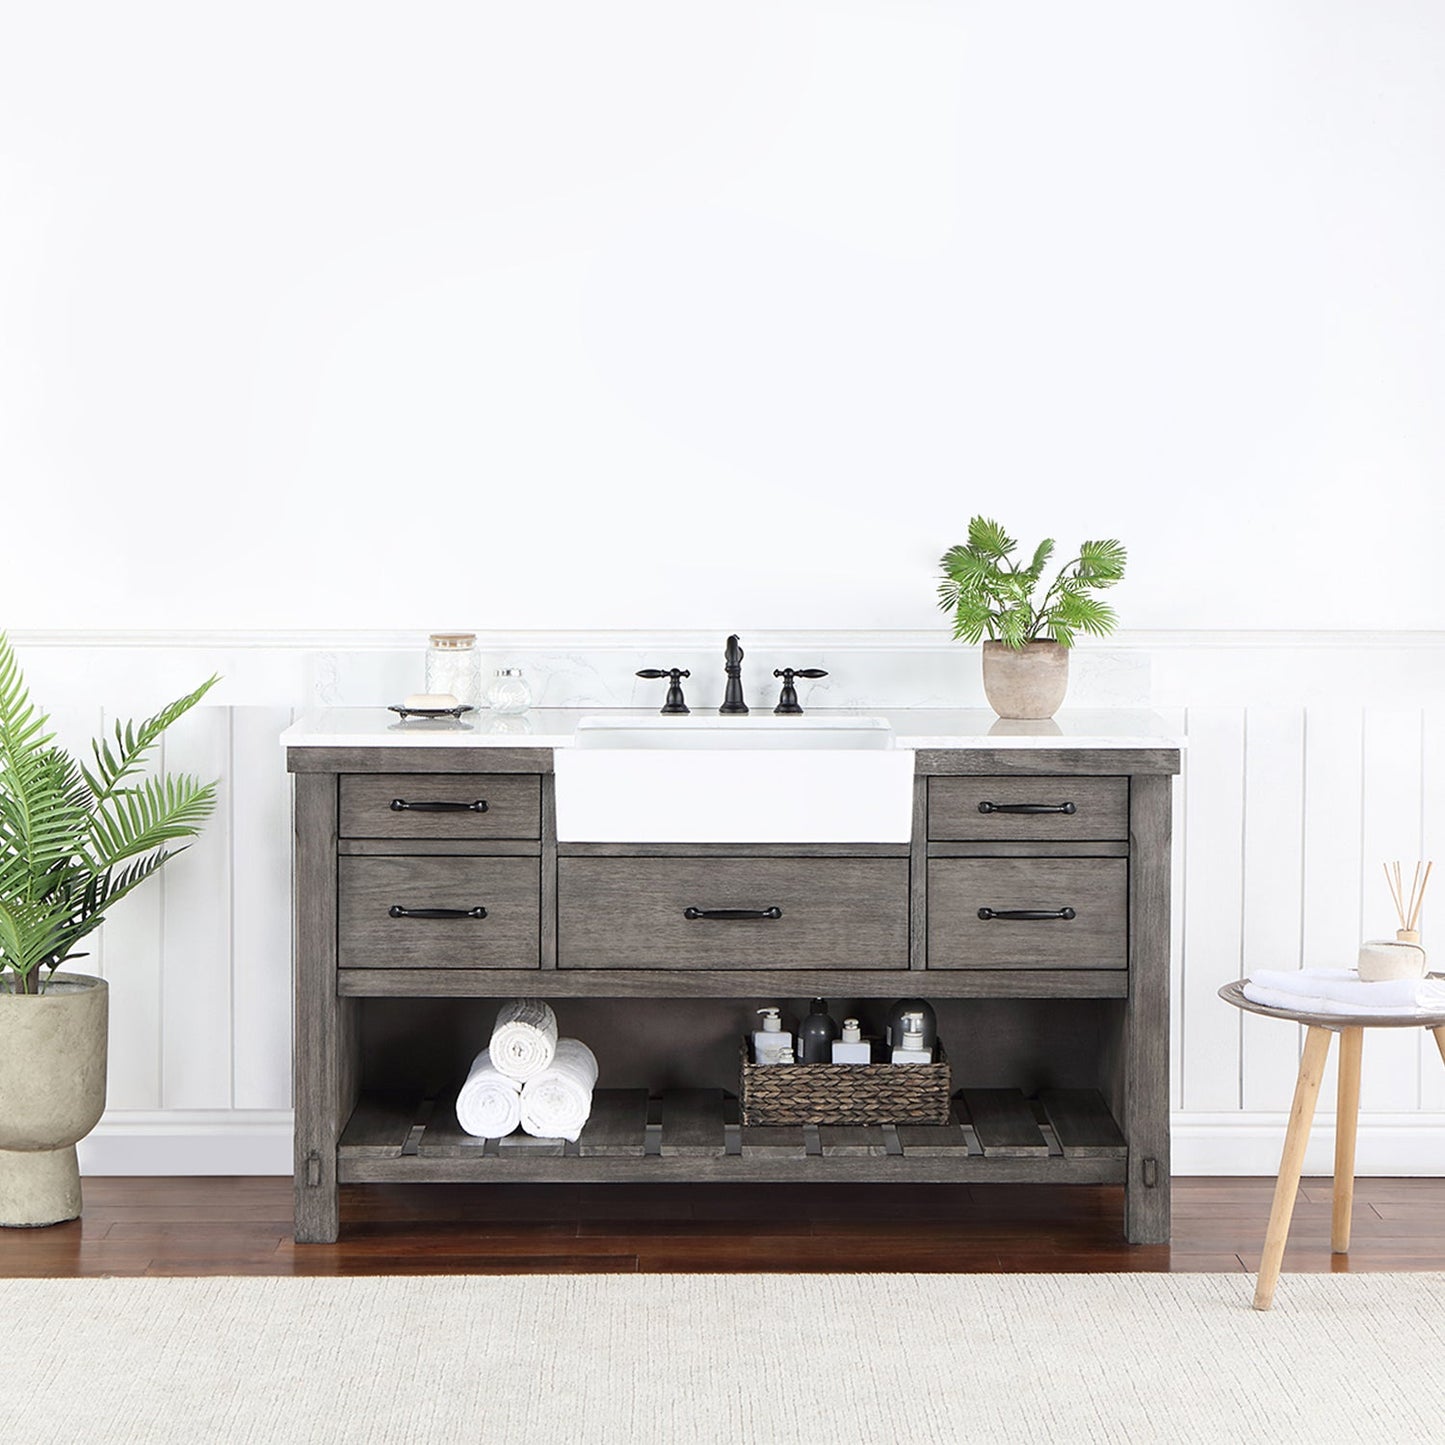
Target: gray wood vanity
{"x":1056,"y":1024}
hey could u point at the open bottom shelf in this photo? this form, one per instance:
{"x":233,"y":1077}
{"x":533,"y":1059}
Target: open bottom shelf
{"x":995,"y":1135}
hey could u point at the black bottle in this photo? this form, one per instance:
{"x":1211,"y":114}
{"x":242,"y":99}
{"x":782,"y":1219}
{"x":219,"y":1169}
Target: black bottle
{"x":816,"y":1034}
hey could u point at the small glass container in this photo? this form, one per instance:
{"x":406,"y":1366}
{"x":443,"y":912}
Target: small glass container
{"x":454,"y":665}
{"x":508,"y":693}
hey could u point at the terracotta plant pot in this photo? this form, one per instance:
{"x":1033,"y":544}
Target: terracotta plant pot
{"x":52,"y":1093}
{"x":1027,"y":682}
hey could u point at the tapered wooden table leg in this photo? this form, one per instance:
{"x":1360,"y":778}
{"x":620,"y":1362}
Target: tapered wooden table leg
{"x":1306,"y":1091}
{"x":1440,"y":1039}
{"x":1347,"y":1121}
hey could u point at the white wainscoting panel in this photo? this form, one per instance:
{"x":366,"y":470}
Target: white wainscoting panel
{"x":1311,"y":759}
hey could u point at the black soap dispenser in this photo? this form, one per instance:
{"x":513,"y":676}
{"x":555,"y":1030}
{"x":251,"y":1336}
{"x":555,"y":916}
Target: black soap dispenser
{"x":816,"y":1034}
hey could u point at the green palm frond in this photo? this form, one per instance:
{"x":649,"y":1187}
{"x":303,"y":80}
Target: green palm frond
{"x":1102,"y":563}
{"x":987,"y":537}
{"x":73,"y":841}
{"x":135,"y":820}
{"x":133,"y":741}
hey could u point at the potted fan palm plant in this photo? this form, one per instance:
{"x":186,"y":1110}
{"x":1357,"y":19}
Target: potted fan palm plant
{"x":1026,"y":656}
{"x":75,"y":838}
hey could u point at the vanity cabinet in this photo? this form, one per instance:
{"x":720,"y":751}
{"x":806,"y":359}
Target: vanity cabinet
{"x":1031,"y":906}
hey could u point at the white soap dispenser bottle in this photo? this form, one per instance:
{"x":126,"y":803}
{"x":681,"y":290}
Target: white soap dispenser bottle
{"x":852,"y":1048}
{"x":770,"y":1041}
{"x":911,"y":1049}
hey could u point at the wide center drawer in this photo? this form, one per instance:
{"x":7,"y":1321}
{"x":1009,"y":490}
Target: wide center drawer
{"x":491,"y":912}
{"x":1028,"y":913}
{"x":1022,"y":809}
{"x":441,"y":805}
{"x":732,"y":913}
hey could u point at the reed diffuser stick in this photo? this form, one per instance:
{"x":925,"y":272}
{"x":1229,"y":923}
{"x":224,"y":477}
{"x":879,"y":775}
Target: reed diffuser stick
{"x":1420,"y":897}
{"x":1408,"y":905}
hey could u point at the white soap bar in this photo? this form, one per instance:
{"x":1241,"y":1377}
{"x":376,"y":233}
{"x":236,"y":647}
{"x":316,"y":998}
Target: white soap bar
{"x":1382,"y":959}
{"x":430,"y":701}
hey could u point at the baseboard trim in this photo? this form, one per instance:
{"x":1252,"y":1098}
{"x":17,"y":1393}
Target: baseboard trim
{"x":1250,"y":1144}
{"x":258,"y":1141}
{"x":189,"y":1141}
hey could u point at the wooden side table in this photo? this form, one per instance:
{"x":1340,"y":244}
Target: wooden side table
{"x":1351,"y":1029}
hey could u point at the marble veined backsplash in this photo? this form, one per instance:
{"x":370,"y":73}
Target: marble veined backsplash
{"x":862,"y":672}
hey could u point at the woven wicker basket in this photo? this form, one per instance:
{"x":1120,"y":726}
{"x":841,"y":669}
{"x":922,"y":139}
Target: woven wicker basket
{"x":845,"y":1093}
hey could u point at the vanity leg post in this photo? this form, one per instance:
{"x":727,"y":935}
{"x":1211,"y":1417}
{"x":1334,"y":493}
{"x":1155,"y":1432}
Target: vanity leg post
{"x":325,"y":1039}
{"x":1145,"y":1045}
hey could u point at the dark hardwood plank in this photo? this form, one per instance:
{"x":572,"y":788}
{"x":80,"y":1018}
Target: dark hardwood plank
{"x":197,"y":1226}
{"x":852,"y":1141}
{"x":616,"y":1126}
{"x":931,"y":1141}
{"x":379,"y":1126}
{"x":773,"y":1141}
{"x":692,"y":1123}
{"x":1005,"y":1124}
{"x":1083,"y":1124}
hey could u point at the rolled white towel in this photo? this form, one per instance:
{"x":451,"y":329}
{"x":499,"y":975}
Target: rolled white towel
{"x":556,"y":1103}
{"x":1342,"y":991}
{"x":489,"y":1104}
{"x":524,"y":1038}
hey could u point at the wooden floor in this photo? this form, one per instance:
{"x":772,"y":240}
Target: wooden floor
{"x":243,"y":1226}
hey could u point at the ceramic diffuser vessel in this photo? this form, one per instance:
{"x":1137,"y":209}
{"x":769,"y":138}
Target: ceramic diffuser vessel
{"x":1382,"y":959}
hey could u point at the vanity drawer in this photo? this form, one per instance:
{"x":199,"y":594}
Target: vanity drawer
{"x":508,"y":889}
{"x":1094,"y":890}
{"x":441,"y":805}
{"x":1017,"y":809}
{"x":634,"y":913}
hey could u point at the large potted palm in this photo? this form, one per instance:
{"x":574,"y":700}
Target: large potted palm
{"x":75,"y":838}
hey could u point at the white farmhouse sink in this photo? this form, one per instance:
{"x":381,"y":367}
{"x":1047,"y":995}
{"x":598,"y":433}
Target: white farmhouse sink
{"x":790,"y":734}
{"x":734,"y":780}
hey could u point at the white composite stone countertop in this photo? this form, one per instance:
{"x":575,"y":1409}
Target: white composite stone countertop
{"x":914,"y":728}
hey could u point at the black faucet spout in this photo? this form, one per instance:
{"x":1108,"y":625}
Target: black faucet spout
{"x":733,"y":703}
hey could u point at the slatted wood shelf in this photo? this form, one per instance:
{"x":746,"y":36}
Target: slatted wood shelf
{"x":1067,"y":1136}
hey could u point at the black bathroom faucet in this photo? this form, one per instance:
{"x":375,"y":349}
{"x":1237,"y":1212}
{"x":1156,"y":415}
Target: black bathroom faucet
{"x":733,"y":703}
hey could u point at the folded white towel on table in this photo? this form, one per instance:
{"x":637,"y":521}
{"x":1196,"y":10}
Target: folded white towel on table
{"x":1342,"y":991}
{"x":489,"y":1104}
{"x":556,"y":1103}
{"x":524,"y":1038}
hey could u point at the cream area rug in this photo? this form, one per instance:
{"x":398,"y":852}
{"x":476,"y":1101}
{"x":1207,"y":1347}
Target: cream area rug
{"x":729,"y":1358}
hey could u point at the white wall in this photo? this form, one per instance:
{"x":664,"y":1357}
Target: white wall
{"x":673,"y":315}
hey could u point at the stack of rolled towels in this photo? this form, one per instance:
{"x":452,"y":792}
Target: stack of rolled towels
{"x":527,"y":1076}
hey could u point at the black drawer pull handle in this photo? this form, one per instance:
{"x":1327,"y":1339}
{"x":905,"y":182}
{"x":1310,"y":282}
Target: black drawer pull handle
{"x":397,"y":911}
{"x":730,"y":915}
{"x":1026,"y":915}
{"x":400,"y":805}
{"x":1030,"y":808}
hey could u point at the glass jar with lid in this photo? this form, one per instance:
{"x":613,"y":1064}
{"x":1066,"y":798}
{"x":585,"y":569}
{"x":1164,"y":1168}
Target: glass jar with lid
{"x":508,"y":693}
{"x":454,"y":665}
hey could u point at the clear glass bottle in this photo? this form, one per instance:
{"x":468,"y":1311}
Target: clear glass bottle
{"x":454,"y":665}
{"x":508,"y":692}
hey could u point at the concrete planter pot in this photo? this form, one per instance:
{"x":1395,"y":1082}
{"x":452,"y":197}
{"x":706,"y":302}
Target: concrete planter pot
{"x":1027,"y":682}
{"x":52,"y":1093}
